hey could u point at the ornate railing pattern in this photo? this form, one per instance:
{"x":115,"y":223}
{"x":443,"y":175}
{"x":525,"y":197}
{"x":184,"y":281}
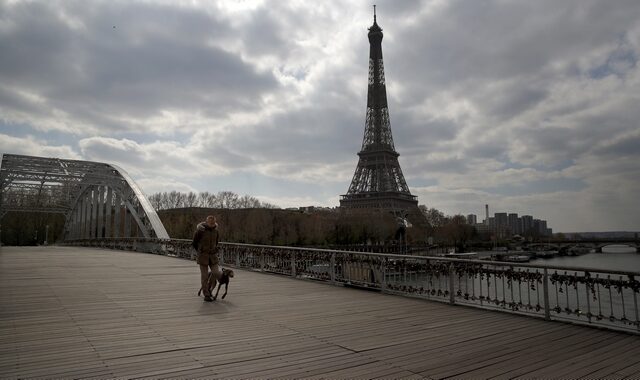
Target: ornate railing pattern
{"x":579,"y":295}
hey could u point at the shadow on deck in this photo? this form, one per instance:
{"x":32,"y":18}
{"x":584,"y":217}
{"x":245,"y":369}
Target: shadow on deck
{"x":82,"y":312}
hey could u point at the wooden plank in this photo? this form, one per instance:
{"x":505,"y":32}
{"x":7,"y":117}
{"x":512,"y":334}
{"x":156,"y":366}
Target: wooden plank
{"x":557,"y":353}
{"x":301,"y":366}
{"x":461,"y":359}
{"x":618,"y":361}
{"x":584,"y":359}
{"x":527,"y":353}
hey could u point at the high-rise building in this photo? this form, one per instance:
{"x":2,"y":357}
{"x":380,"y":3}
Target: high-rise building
{"x":378,"y":182}
{"x":527,"y":224}
{"x":472,"y":219}
{"x":502,"y":219}
{"x":542,"y":227}
{"x":514,"y":223}
{"x":486,"y":214}
{"x":535,"y":230}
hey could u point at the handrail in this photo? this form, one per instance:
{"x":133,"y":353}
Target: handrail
{"x":590,"y":296}
{"x":449,"y":259}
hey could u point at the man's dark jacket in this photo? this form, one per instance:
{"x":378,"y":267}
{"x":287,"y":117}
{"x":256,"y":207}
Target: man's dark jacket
{"x":205,"y":239}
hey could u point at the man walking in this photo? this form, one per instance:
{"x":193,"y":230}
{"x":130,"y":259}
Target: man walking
{"x":205,"y":241}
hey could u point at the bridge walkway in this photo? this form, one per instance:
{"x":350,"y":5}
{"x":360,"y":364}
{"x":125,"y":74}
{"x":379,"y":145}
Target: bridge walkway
{"x":82,"y":313}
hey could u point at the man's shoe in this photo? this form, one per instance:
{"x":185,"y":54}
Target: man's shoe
{"x":208,"y":299}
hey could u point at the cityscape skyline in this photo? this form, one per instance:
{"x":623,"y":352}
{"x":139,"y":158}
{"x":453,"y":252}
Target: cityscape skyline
{"x":507,"y":224}
{"x":527,"y":107}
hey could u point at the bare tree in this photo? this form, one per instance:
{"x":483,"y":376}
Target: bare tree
{"x":173,"y":199}
{"x":247,"y":201}
{"x":223,"y":199}
{"x":434,"y":216}
{"x":164,"y":201}
{"x":458,"y":232}
{"x":202,"y":198}
{"x":155,"y":200}
{"x":212,"y":201}
{"x":227,"y":199}
{"x":191,"y":199}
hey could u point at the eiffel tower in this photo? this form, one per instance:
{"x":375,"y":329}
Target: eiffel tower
{"x":378,"y":182}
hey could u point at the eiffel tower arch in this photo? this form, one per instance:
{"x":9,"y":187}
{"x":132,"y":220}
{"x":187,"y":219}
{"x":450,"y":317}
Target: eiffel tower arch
{"x":378,"y":182}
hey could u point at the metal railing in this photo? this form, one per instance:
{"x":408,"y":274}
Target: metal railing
{"x":587,"y":296}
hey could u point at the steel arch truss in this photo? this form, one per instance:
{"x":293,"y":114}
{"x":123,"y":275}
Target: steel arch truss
{"x":98,"y":200}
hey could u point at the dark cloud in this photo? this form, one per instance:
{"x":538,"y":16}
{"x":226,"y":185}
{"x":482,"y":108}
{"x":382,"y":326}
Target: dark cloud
{"x":412,"y":131}
{"x":116,"y":61}
{"x":538,"y":186}
{"x":627,"y":146}
{"x":465,"y":46}
{"x":310,"y":135}
{"x":512,"y":100}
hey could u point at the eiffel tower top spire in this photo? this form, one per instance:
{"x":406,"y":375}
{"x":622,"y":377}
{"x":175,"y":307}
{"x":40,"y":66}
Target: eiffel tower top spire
{"x":377,"y":131}
{"x":375,"y":28}
{"x":378,"y":181}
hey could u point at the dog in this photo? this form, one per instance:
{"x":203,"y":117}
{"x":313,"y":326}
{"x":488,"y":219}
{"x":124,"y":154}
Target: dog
{"x":224,"y":280}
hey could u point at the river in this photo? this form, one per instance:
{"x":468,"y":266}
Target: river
{"x":613,"y":257}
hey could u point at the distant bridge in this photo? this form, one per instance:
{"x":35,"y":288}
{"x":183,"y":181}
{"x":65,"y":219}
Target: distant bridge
{"x":594,"y":240}
{"x":599,"y":247}
{"x":98,"y":200}
{"x":596,"y":244}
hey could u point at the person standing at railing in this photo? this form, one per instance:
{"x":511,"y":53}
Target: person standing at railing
{"x":205,"y":242}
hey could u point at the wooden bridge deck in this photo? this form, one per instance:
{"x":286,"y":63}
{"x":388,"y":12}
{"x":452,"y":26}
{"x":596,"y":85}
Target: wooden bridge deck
{"x":82,"y":313}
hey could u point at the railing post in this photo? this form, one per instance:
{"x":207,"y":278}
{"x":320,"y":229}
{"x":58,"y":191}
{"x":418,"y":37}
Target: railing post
{"x":383,"y":271}
{"x":237,"y":252}
{"x":452,"y":293}
{"x":587,"y":277}
{"x":635,"y":303}
{"x":480,"y":282}
{"x":545,"y":286}
{"x":332,"y":268}
{"x":293,"y":263}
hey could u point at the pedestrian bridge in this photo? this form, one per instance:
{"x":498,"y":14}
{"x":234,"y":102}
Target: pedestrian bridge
{"x":98,"y":200}
{"x":78,"y":312}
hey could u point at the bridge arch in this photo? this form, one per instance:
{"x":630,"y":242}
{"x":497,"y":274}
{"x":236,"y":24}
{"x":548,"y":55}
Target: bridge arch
{"x":98,"y":200}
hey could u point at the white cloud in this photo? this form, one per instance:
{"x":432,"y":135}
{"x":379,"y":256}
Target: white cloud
{"x":32,"y":146}
{"x":163,"y":184}
{"x":167,"y":158}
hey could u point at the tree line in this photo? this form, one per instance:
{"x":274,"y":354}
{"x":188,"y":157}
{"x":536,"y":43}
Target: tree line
{"x":247,"y":219}
{"x":326,"y":228}
{"x":317,"y":228}
{"x":204,"y":199}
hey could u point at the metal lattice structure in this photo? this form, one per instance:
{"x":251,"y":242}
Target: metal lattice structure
{"x":378,"y":182}
{"x":98,"y":200}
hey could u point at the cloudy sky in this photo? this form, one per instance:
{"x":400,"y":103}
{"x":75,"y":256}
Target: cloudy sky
{"x":530,"y":106}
